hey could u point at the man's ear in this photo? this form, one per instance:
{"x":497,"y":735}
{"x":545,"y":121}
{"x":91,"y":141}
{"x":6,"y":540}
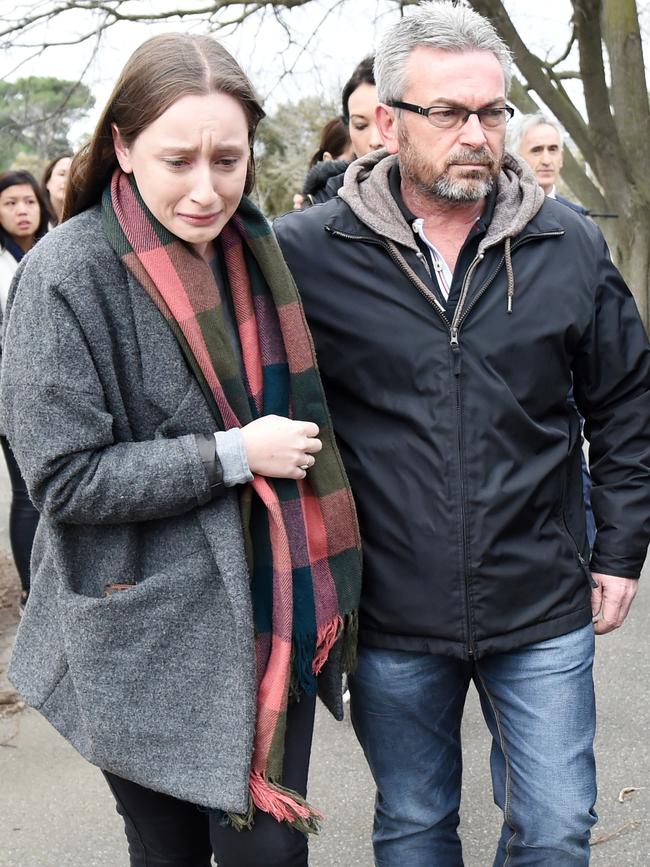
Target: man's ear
{"x":386,"y":120}
{"x":122,"y":152}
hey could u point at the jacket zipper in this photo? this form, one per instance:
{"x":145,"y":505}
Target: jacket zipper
{"x":581,"y":560}
{"x":455,"y":348}
{"x":583,"y":563}
{"x":411,"y":277}
{"x":454,"y":328}
{"x":461,"y":315}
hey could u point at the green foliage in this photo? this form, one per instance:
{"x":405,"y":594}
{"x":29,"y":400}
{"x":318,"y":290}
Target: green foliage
{"x":286,"y":141}
{"x":36,"y":114}
{"x":28,"y":162}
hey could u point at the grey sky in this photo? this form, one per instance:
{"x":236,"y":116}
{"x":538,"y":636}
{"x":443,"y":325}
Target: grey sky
{"x":318,"y":63}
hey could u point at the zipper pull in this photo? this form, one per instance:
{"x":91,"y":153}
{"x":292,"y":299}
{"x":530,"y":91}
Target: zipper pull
{"x":455,"y":348}
{"x":587,"y":571}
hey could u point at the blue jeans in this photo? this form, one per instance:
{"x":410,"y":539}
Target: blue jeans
{"x":538,"y":702}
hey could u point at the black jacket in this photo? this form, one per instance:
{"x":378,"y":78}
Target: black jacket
{"x":461,"y":448}
{"x":579,"y":209}
{"x":323,"y":181}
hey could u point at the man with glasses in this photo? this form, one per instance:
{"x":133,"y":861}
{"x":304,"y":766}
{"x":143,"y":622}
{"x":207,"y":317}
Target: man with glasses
{"x":452,"y":305}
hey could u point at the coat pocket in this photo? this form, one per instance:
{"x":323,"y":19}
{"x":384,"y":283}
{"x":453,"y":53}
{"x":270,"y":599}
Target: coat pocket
{"x":154,"y":666}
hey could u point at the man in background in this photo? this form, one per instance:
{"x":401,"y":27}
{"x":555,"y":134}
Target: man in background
{"x":538,"y":139}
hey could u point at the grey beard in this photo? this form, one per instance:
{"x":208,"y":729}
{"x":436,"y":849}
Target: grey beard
{"x":446,"y":189}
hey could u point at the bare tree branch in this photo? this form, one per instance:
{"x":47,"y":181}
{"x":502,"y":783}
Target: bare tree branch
{"x":312,"y":36}
{"x":614,"y":141}
{"x":521,"y":97}
{"x":565,"y":75}
{"x":566,"y":51}
{"x":113,"y":14}
{"x":60,"y":108}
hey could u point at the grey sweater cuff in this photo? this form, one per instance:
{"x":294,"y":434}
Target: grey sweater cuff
{"x":232,"y":456}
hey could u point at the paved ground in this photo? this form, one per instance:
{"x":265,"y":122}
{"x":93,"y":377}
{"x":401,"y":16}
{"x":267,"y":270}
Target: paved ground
{"x":55,"y":810}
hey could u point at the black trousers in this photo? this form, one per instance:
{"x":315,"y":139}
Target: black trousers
{"x":23,"y":518}
{"x":164,"y":832}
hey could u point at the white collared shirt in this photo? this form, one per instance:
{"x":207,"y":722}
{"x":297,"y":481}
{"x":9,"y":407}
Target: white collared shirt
{"x":443,"y":272}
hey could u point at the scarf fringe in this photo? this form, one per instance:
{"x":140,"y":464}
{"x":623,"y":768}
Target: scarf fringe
{"x":284,"y":805}
{"x":306,"y":664}
{"x":302,"y":655}
{"x":325,"y":641}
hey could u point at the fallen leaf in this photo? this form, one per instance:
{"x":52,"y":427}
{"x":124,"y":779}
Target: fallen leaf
{"x":627,"y":792}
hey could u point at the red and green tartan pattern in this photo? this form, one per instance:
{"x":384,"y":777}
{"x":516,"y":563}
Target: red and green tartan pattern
{"x":302,"y":537}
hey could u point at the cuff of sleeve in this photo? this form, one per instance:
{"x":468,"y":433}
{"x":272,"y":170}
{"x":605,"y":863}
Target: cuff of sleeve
{"x":232,"y":456}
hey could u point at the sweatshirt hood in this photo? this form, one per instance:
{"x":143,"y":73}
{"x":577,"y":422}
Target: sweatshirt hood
{"x":367,"y":192}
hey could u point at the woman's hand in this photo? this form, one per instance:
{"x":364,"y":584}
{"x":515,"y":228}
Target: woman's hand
{"x":281,"y":447}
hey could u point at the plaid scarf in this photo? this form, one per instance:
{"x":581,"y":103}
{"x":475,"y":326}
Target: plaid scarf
{"x":302,"y":538}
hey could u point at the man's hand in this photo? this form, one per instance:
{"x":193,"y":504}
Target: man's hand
{"x":610,"y":601}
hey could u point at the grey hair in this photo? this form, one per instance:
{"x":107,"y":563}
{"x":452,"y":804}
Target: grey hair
{"x":527,"y":122}
{"x":436,"y":25}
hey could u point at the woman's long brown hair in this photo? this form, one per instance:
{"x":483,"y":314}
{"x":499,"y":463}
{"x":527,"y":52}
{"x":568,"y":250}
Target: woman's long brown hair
{"x":161,"y":71}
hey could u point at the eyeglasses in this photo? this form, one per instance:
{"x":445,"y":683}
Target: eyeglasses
{"x":454,"y":117}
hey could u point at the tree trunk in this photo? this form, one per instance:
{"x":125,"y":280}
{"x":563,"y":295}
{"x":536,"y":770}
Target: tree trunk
{"x":629,"y":243}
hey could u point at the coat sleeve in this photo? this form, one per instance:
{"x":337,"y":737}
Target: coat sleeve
{"x":54,"y":413}
{"x":612,"y":389}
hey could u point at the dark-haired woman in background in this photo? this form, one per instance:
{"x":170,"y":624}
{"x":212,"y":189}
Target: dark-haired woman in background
{"x":23,"y":220}
{"x":197,"y":562}
{"x":334,"y":143}
{"x":358,"y":103}
{"x":55,"y":179}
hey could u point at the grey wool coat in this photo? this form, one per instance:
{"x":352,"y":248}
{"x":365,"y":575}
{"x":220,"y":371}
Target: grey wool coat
{"x":155,"y":683}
